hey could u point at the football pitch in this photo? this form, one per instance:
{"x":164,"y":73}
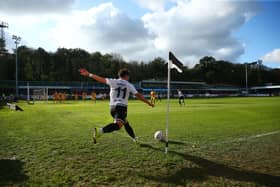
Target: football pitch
{"x":213,"y":142}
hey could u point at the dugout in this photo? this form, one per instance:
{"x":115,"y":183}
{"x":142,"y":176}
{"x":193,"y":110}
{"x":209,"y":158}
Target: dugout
{"x":271,"y":90}
{"x":190,"y":89}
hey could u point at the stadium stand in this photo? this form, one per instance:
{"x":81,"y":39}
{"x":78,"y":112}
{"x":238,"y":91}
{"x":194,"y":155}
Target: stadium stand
{"x":190,"y":89}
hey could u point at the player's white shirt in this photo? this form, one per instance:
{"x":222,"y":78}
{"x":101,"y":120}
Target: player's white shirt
{"x":180,"y":94}
{"x":119,"y":91}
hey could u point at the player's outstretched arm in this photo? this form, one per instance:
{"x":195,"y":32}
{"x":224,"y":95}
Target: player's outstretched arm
{"x":85,"y":73}
{"x":142,"y":98}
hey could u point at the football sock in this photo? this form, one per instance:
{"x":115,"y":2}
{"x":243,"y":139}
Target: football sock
{"x":129,"y":130}
{"x":110,"y":128}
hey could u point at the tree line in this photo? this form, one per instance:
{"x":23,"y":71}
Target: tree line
{"x":63,"y":65}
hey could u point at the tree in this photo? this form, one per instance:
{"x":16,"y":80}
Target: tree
{"x":63,"y":64}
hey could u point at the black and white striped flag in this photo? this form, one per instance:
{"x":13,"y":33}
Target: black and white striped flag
{"x":175,"y":63}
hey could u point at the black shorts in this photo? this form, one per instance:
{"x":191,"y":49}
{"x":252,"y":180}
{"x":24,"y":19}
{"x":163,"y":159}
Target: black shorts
{"x":119,"y":112}
{"x":181,"y":97}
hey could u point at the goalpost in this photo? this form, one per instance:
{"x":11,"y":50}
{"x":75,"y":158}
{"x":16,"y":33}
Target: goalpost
{"x":28,"y":92}
{"x":29,"y":98}
{"x":40,"y":94}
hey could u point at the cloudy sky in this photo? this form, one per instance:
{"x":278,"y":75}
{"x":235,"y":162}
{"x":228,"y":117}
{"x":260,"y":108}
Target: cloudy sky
{"x":235,"y":30}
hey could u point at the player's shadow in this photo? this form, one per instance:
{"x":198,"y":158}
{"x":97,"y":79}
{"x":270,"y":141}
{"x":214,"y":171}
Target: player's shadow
{"x":176,"y":142}
{"x":206,"y":168}
{"x":11,"y":172}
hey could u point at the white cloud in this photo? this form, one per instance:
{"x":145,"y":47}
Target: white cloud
{"x":196,"y":28}
{"x":189,"y":28}
{"x":272,"y":56}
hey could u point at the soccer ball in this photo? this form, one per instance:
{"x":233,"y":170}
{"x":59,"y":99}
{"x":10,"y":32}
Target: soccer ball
{"x":159,"y":135}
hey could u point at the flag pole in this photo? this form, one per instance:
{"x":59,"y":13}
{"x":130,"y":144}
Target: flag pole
{"x":167,"y":107}
{"x":173,"y":62}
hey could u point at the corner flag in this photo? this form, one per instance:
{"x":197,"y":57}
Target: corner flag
{"x":173,"y":63}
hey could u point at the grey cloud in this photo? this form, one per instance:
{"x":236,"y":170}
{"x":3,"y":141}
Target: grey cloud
{"x":120,"y":28}
{"x":120,"y":34}
{"x":34,"y":6}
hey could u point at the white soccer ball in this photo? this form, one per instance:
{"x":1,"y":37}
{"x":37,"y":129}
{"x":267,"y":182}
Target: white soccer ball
{"x":159,"y":135}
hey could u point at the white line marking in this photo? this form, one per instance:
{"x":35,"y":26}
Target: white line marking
{"x":197,"y":147}
{"x":251,"y":137}
{"x":240,"y":139}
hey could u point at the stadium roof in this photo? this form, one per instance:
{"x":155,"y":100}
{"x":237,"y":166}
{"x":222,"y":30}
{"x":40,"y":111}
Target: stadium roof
{"x":265,"y":87}
{"x":173,"y":82}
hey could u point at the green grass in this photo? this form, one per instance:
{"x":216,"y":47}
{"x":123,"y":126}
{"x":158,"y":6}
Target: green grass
{"x":50,"y":145}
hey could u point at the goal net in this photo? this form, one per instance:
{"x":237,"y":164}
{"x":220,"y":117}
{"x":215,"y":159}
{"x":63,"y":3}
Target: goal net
{"x":40,"y":94}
